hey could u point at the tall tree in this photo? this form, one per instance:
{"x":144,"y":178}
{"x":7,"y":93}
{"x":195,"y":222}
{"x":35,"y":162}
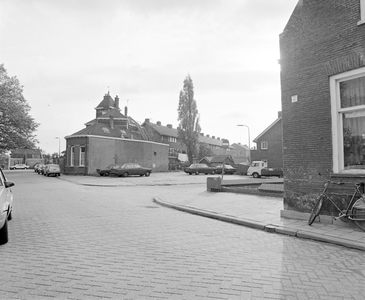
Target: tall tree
{"x":188,"y":117}
{"x":16,"y":125}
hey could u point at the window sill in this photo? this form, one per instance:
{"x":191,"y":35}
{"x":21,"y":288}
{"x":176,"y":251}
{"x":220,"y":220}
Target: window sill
{"x":361,"y":22}
{"x":348,"y":175}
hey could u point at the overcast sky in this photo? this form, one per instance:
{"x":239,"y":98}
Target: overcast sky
{"x":68,"y":53}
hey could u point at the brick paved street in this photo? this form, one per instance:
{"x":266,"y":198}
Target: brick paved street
{"x":71,"y":241}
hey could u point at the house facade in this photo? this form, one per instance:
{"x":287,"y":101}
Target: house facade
{"x":269,"y":145}
{"x":322,"y":58}
{"x":240,"y":153}
{"x":112,"y":138}
{"x":30,"y":157}
{"x":169,"y":135}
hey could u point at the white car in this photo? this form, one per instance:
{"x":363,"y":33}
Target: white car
{"x":19,"y":166}
{"x":6,"y":207}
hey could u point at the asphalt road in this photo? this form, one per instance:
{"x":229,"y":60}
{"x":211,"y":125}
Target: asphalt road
{"x":71,"y":241}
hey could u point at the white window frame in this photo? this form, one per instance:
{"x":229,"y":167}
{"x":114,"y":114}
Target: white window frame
{"x":264,"y":145}
{"x":336,"y":114}
{"x":82,"y":163}
{"x":362,"y":13}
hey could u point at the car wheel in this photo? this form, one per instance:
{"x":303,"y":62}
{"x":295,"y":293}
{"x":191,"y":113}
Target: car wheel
{"x":213,"y":172}
{"x":190,"y":173}
{"x":197,"y":173}
{"x":255,"y":175}
{"x":4,"y":238}
{"x":147,"y":174}
{"x":125,"y":174}
{"x":106,"y":174}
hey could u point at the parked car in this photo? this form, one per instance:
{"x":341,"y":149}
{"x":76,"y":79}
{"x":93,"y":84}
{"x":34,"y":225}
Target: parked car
{"x":228,"y":169}
{"x":52,"y":169}
{"x":19,"y":167}
{"x":130,"y":169}
{"x":6,"y":207}
{"x":106,"y":171}
{"x":199,"y":168}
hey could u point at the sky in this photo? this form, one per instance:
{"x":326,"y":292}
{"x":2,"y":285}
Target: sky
{"x":67,"y":54}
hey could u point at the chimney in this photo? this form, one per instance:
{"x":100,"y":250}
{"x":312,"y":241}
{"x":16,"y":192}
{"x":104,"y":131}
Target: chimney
{"x":169,"y":126}
{"x":218,"y":138}
{"x":116,"y":103}
{"x":207,"y":135}
{"x":111,"y":122}
{"x":213,"y":137}
{"x":126,"y":111}
{"x":158,"y":123}
{"x":147,"y":120}
{"x":279,"y":114}
{"x":202,"y":134}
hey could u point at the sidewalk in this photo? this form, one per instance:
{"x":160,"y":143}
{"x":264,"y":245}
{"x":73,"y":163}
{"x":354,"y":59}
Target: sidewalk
{"x":260,"y":212}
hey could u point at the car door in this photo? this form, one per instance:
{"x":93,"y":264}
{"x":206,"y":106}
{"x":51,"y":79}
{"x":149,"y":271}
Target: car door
{"x":5,"y":199}
{"x":134,"y":169}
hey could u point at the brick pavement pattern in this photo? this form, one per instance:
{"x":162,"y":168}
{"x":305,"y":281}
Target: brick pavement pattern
{"x":70,"y":241}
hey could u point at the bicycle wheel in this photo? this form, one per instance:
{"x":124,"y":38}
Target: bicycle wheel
{"x":358,"y":213}
{"x":316,"y":209}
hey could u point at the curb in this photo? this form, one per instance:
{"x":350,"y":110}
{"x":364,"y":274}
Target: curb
{"x":272,"y":228}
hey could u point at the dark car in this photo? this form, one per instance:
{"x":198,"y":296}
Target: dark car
{"x":199,"y":168}
{"x":106,"y":171}
{"x":130,"y":169}
{"x":228,"y":169}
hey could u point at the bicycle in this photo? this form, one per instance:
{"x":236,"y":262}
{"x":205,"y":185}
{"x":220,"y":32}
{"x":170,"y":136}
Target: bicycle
{"x":355,"y":210}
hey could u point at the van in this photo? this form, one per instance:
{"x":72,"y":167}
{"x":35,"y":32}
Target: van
{"x":52,"y":169}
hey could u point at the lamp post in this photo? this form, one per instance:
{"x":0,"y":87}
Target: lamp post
{"x":59,"y":148}
{"x":249,"y":143}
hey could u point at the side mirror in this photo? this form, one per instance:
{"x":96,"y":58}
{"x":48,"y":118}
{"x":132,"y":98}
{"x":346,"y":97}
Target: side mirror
{"x":9,"y":184}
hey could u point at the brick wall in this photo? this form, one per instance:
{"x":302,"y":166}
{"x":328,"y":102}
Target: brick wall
{"x":322,"y":38}
{"x":274,"y":152}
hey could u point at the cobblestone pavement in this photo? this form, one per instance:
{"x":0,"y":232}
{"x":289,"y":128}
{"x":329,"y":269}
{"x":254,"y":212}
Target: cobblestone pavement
{"x":71,"y":241}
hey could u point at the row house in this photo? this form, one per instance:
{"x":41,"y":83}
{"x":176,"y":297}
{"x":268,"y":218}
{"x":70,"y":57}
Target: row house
{"x":169,"y":135}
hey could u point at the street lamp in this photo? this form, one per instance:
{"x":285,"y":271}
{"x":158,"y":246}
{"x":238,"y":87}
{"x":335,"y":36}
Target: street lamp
{"x":59,"y":148}
{"x":249,"y":145}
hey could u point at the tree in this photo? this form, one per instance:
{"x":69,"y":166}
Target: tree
{"x":16,"y":125}
{"x":188,"y":117}
{"x":204,"y":151}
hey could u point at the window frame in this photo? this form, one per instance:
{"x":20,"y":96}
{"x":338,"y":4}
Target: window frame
{"x":264,"y":147}
{"x":82,"y":161}
{"x":338,"y":160}
{"x":362,"y":13}
{"x":72,"y":154}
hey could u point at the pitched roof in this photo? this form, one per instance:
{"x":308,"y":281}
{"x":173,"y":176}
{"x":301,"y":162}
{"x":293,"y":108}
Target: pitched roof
{"x":103,"y":129}
{"x":106,"y":102}
{"x":267,"y":129}
{"x":221,"y":158}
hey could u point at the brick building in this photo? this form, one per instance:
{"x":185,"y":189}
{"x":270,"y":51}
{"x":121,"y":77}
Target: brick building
{"x":112,"y":137}
{"x":323,"y":98}
{"x":270,"y":145}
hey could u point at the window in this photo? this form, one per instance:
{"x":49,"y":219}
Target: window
{"x":348,"y":121}
{"x":82,"y":155}
{"x":263,"y":145}
{"x":72,"y":155}
{"x":362,"y":12}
